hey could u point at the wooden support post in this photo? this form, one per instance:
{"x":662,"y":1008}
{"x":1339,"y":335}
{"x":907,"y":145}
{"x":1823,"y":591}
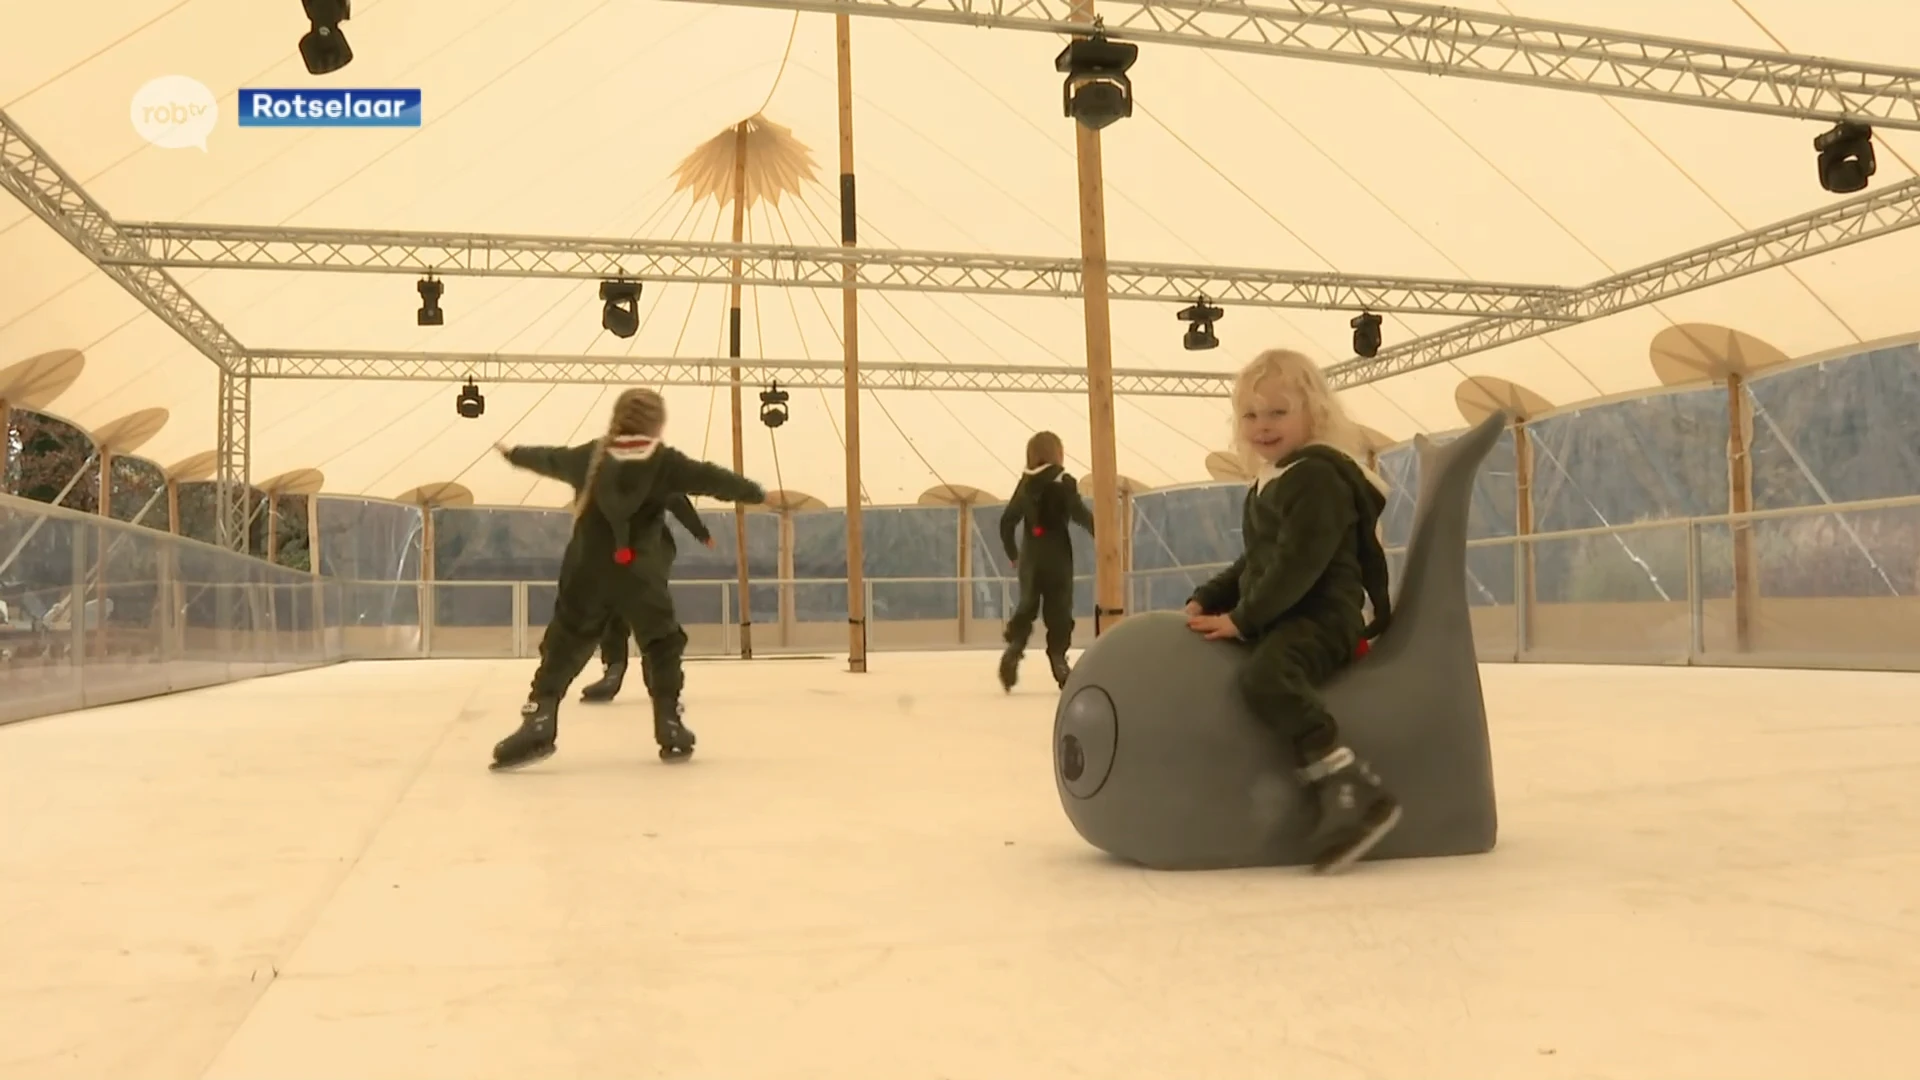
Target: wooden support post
{"x":1746,"y":593}
{"x":786,"y":578}
{"x":313,"y":568}
{"x":1523,"y":525}
{"x":733,"y":352}
{"x":103,"y":542}
{"x":850,"y":341}
{"x":964,"y":568}
{"x":1109,"y":580}
{"x":429,"y":599}
{"x":6,"y":445}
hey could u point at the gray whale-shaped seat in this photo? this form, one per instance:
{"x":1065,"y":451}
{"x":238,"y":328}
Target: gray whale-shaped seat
{"x":1158,"y":760}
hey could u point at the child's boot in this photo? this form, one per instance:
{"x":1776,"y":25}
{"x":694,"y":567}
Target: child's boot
{"x":1356,"y":812}
{"x":1010,"y":667}
{"x":609,"y":685}
{"x":536,"y":739}
{"x":1060,"y":669}
{"x":675,"y":738}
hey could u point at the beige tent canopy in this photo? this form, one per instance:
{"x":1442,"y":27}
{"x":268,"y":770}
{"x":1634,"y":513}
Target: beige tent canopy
{"x":540,"y":122}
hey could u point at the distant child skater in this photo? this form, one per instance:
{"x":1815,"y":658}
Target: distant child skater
{"x":616,"y":563}
{"x":613,"y":644}
{"x":1043,"y":502}
{"x":1313,"y":559}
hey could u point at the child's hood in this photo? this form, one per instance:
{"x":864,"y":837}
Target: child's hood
{"x":1370,"y":490}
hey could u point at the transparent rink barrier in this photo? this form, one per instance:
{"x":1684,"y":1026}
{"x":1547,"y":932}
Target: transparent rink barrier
{"x":1829,"y":587}
{"x":98,"y":612}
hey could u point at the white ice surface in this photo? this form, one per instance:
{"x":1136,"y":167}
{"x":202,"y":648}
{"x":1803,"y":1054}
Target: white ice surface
{"x":1701,"y":874}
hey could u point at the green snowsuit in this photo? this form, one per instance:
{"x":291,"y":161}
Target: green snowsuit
{"x":625,"y":516}
{"x":1312,"y":559}
{"x":613,"y":645}
{"x":1044,"y":502}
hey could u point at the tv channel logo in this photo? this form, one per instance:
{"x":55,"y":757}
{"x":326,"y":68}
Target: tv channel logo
{"x":174,"y":112}
{"x":318,"y":108}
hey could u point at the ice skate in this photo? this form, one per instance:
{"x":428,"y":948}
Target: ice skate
{"x":1356,"y":812}
{"x":608,"y":687}
{"x":536,"y":739}
{"x":1060,"y":668}
{"x":1009,"y":668}
{"x":675,"y":738}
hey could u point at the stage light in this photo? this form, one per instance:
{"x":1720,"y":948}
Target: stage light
{"x":1200,"y":319}
{"x":430,"y":293}
{"x":468,"y":403}
{"x":621,"y":314}
{"x":1097,"y":91}
{"x":1846,"y":157}
{"x":773,"y":406}
{"x":1366,"y":335}
{"x":323,"y":47}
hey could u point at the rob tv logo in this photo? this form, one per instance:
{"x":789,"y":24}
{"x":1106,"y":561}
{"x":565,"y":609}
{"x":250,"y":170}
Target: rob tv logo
{"x":174,"y":112}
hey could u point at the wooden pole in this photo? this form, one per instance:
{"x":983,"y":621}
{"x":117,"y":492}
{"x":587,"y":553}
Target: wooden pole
{"x":850,"y":339}
{"x":1109,"y":582}
{"x":786,"y":577}
{"x":313,"y":568}
{"x":1740,"y":501}
{"x":964,"y":568}
{"x":102,"y":542}
{"x":6,"y":444}
{"x":733,"y":352}
{"x":1523,"y":524}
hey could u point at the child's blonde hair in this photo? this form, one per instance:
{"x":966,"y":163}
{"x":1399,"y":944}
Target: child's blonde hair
{"x":1045,"y":448}
{"x":638,"y":411}
{"x":1305,"y":386}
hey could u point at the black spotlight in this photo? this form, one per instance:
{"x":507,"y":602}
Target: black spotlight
{"x":430,"y":292}
{"x":1366,"y":335}
{"x":1846,"y":157}
{"x":1097,"y":90}
{"x":773,"y":406}
{"x":323,"y":47}
{"x":621,"y":315}
{"x":468,"y":403}
{"x":1200,"y":319}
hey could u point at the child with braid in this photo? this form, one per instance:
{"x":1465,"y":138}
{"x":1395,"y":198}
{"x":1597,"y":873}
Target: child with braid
{"x":1043,"y":502}
{"x":616,"y":563}
{"x":613,"y":644}
{"x":1313,"y":560}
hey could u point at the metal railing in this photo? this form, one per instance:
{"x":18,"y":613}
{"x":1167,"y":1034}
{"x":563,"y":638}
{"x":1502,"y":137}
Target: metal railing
{"x":1831,"y":586}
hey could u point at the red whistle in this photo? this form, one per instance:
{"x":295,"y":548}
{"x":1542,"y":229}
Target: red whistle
{"x":623,"y":556}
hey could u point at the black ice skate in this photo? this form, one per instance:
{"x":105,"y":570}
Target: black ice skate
{"x":536,"y":740}
{"x":1060,"y":668}
{"x":608,"y":687}
{"x":675,"y":738}
{"x":1356,"y":812}
{"x":1009,"y":668}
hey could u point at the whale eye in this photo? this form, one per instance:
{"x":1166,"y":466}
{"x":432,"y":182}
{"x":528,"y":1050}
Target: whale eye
{"x":1084,"y":742}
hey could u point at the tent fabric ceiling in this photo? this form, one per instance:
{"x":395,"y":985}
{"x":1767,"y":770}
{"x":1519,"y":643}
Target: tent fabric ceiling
{"x":567,"y":117}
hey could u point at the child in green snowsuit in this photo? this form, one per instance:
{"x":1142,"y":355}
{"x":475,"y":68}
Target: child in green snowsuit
{"x":613,"y":644}
{"x":1313,"y":561}
{"x":1044,"y":501}
{"x":616,"y":563}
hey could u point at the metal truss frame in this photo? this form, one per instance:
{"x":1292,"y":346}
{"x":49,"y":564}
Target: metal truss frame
{"x":58,"y":199}
{"x":247,"y":247}
{"x":1428,"y":39}
{"x":1840,"y":225}
{"x":679,"y":371}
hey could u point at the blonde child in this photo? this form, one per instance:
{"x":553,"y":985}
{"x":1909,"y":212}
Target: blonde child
{"x":1313,"y":560}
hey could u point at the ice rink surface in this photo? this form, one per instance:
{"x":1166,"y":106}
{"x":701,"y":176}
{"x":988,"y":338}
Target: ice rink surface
{"x":1701,"y":874}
